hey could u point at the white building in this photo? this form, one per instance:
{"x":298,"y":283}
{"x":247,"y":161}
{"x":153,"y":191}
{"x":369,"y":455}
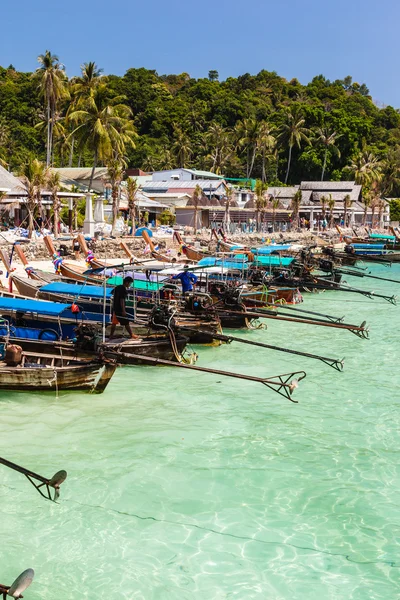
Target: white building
{"x":183,"y":175}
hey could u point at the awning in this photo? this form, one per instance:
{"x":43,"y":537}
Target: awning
{"x":32,"y":306}
{"x":82,"y":291}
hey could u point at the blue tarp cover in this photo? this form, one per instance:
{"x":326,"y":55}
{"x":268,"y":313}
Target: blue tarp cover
{"x":72,"y":289}
{"x":30,"y":333}
{"x":33,"y":306}
{"x":269,"y":249}
{"x":138,"y":232}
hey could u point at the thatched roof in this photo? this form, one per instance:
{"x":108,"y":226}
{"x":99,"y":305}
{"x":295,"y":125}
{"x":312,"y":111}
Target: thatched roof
{"x":250,"y":203}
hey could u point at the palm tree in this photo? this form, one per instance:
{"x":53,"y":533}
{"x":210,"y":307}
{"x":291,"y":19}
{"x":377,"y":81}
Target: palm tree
{"x":91,"y":76}
{"x":181,"y":146}
{"x":54,"y":184}
{"x":115,"y":172}
{"x":228,"y":200}
{"x":132,"y":188}
{"x":221,"y":148}
{"x":104,"y":126}
{"x":293,"y":133}
{"x":265,"y":144}
{"x":367,"y":200}
{"x":31,"y":174}
{"x":197,"y":195}
{"x":261,"y":201}
{"x":327,"y":138}
{"x":391,"y":172}
{"x":246,"y":133}
{"x":295,"y":208}
{"x":381,"y":208}
{"x":347,"y":204}
{"x":331,"y":205}
{"x":365,"y":167}
{"x":81,"y":88}
{"x":324,"y":202}
{"x":53,"y":88}
{"x":275,"y":205}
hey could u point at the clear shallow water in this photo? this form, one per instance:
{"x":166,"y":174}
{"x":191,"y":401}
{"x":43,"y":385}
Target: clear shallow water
{"x":187,"y":486}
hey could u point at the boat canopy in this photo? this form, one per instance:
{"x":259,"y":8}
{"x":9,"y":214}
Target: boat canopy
{"x":270,"y":249}
{"x":32,"y":306}
{"x":241,"y":261}
{"x":76,"y":290}
{"x":382,"y":236}
{"x":138,"y":284}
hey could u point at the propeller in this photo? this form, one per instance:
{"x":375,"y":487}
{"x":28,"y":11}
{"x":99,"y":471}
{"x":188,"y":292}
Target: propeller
{"x":22,"y":582}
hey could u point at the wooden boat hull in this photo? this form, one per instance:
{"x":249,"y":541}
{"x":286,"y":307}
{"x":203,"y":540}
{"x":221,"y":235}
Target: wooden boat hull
{"x":42,"y":372}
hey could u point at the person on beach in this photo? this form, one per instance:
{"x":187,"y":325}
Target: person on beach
{"x":119,"y":315}
{"x":188,"y":280}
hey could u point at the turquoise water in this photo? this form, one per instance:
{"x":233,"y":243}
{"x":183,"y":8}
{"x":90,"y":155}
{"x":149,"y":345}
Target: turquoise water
{"x":187,"y":486}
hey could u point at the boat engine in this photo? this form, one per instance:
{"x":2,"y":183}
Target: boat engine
{"x":162,"y":316}
{"x":86,"y":337}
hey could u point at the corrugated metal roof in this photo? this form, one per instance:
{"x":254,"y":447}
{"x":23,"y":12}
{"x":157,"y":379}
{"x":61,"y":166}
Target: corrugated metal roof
{"x":283,"y":192}
{"x":9,"y":182}
{"x":170,"y":186}
{"x":80,"y":172}
{"x":338,"y":196}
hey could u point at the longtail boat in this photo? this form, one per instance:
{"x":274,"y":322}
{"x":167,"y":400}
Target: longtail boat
{"x":32,"y":371}
{"x":191,"y":253}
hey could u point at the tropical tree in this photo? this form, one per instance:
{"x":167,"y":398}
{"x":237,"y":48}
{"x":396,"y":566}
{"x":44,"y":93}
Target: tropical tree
{"x":103,"y":126}
{"x":327,"y":139}
{"x":275,"y":204}
{"x":32,"y":174}
{"x":52,"y":81}
{"x":197,"y":196}
{"x":331,"y":205}
{"x":261,"y":200}
{"x":367,"y":200}
{"x":90,"y":78}
{"x":115,"y":173}
{"x":381,"y":208}
{"x":293,"y":133}
{"x":54,"y":185}
{"x":221,"y":147}
{"x":228,"y":200}
{"x":346,"y":204}
{"x":365,"y":168}
{"x":246,"y":134}
{"x":182,"y":147}
{"x":295,"y":208}
{"x":265,"y":144}
{"x":324,"y":202}
{"x":132,"y":188}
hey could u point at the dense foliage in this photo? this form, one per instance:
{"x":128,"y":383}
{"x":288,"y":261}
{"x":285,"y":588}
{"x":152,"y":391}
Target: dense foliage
{"x":258,"y":126}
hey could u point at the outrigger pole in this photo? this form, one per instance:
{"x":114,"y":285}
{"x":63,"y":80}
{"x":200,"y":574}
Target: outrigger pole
{"x":22,"y":582}
{"x":284,"y":385}
{"x":332,"y":362}
{"x":54,"y":482}
{"x":358,"y":274}
{"x":347,"y":288}
{"x":359,"y":330}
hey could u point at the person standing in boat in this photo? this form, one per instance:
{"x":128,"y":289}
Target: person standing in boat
{"x":119,"y":315}
{"x":188,"y":279}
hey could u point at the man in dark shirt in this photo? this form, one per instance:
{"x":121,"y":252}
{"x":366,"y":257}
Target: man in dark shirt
{"x":187,"y":279}
{"x":119,"y":315}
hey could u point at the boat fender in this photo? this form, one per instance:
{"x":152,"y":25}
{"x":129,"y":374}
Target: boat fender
{"x":13,"y":355}
{"x":75,"y":308}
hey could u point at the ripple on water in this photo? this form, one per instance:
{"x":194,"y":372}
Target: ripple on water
{"x":184,"y":486}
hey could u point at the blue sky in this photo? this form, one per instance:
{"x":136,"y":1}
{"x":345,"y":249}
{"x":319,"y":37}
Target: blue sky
{"x":296,"y":38}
